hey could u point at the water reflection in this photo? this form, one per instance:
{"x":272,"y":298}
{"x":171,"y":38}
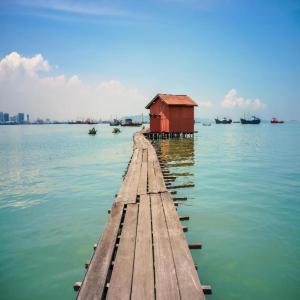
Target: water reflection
{"x":178,"y":156}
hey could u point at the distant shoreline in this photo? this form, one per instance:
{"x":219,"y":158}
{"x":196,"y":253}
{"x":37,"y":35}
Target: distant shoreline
{"x":106,"y":123}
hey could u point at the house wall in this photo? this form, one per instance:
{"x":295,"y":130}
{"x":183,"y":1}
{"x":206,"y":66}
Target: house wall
{"x":181,"y":119}
{"x":161,"y":123}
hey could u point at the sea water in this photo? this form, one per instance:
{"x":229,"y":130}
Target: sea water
{"x":57,"y":182}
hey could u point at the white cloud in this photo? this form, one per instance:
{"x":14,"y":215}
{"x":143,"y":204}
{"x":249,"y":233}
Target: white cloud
{"x":27,"y":85}
{"x":14,"y":64}
{"x":205,"y":104}
{"x":233,"y":100}
{"x":88,"y":8}
{"x":204,"y":5}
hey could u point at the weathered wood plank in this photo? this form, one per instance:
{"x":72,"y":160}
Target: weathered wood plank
{"x":187,"y":185}
{"x":159,"y":177}
{"x":143,"y":274}
{"x":130,"y":184}
{"x":188,"y":280}
{"x":93,"y":284}
{"x":142,"y":188}
{"x":152,"y":182}
{"x":120,"y":282}
{"x":140,"y":141}
{"x":165,"y":275}
{"x":122,"y":195}
{"x":134,"y":183}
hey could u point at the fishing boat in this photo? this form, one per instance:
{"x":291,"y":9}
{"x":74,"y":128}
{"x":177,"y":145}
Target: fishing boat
{"x":92,"y":131}
{"x":116,"y":130}
{"x":224,"y":121}
{"x":115,"y":122}
{"x":275,"y":121}
{"x":253,"y":120}
{"x":129,"y":122}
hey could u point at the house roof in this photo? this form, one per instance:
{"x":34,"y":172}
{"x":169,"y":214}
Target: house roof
{"x":177,"y":100}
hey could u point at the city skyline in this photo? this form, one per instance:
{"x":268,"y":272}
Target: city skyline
{"x":18,"y":118}
{"x":96,"y":59}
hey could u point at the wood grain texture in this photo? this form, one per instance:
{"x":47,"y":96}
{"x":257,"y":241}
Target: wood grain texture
{"x":143,"y":274}
{"x":120,"y":282}
{"x":165,"y":273}
{"x":129,"y":188}
{"x":143,"y":180}
{"x":152,"y":182}
{"x":159,"y":177}
{"x":94,"y":282}
{"x":188,"y":280}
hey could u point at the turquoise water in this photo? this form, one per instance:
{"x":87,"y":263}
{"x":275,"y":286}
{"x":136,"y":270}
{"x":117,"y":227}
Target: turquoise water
{"x":57,"y":182}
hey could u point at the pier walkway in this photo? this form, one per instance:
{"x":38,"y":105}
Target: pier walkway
{"x":143,"y":253}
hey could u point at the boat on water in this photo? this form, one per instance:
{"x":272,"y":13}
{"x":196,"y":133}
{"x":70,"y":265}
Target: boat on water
{"x":223,"y":121}
{"x":129,"y":122}
{"x":275,"y":121}
{"x":116,"y":130}
{"x":206,"y":124}
{"x":115,"y":122}
{"x":253,"y":120}
{"x":92,"y":131}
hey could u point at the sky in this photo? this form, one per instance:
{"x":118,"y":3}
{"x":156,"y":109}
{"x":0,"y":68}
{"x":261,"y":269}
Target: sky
{"x":99,"y":59}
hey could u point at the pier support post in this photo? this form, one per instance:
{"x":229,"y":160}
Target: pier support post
{"x":195,"y":246}
{"x":77,"y":286}
{"x":207,"y":290}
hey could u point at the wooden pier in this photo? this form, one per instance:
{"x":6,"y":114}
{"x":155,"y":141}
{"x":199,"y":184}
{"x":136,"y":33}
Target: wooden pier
{"x":143,"y":253}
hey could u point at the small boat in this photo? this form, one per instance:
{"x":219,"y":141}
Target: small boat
{"x":206,"y":124}
{"x":224,"y":121}
{"x":275,"y":121}
{"x":115,"y":122}
{"x":116,"y":130}
{"x":253,"y":120}
{"x":129,"y":122}
{"x":92,"y":131}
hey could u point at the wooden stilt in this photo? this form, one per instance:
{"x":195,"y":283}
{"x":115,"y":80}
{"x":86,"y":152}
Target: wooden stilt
{"x":77,"y":285}
{"x":195,"y":246}
{"x":207,"y":290}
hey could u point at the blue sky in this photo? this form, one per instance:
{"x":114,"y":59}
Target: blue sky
{"x":231,"y":56}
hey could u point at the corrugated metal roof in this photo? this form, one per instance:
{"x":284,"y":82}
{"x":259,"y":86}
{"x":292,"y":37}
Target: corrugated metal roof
{"x":178,"y":100}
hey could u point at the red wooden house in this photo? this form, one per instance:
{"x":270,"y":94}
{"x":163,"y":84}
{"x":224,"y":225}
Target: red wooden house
{"x":171,"y":114}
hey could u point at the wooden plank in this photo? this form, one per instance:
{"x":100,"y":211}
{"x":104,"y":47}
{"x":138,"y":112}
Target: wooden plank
{"x":165,"y":275}
{"x":94,"y":282}
{"x":188,"y":280}
{"x":130,"y":184}
{"x":152,"y":183}
{"x":134,"y":183}
{"x":126,"y":183}
{"x":120,"y":282}
{"x":187,"y":185}
{"x":140,"y":142}
{"x":159,"y":177}
{"x":143,"y":274}
{"x":142,"y":188}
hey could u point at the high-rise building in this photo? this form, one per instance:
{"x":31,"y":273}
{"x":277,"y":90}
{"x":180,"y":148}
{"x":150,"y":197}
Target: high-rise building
{"x":27,"y":118}
{"x":1,"y":117}
{"x":13,"y":119}
{"x":20,"y":118}
{"x":5,"y":117}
